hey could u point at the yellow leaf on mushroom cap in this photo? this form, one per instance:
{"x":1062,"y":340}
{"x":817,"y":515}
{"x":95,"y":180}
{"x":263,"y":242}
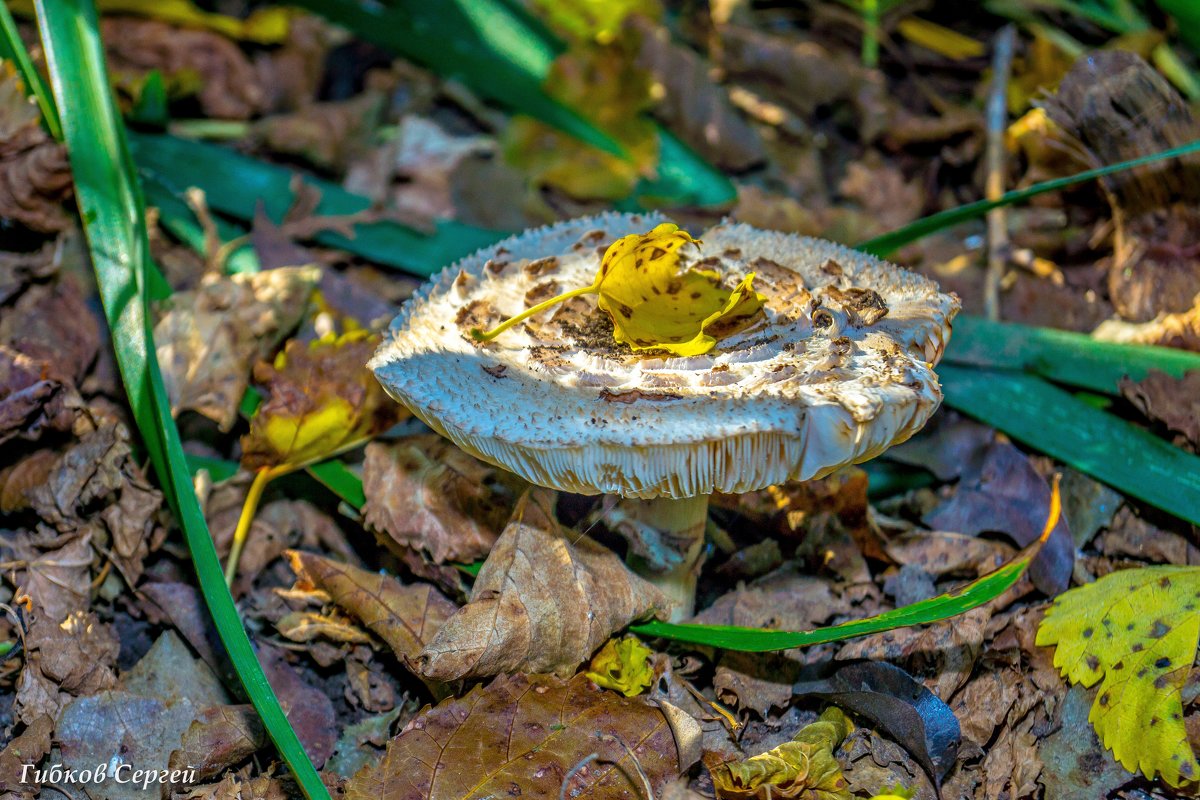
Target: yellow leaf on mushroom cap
{"x":1135,"y":632}
{"x":653,"y":306}
{"x":622,"y":665}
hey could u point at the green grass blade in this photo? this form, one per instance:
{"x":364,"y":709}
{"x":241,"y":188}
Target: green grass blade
{"x":335,"y":476}
{"x":1055,"y":422}
{"x":885,"y":244}
{"x":114,"y":222}
{"x":13,"y":49}
{"x":758,"y":640}
{"x":233,"y":184}
{"x":505,"y":57}
{"x":1075,"y":359}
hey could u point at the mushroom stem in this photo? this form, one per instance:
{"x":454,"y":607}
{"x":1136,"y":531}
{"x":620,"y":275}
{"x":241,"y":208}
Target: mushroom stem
{"x":681,"y":524}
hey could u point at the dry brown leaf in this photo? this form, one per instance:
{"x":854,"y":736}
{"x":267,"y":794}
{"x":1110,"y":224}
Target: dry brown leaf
{"x":426,"y":494}
{"x":54,"y":326}
{"x":18,"y":269}
{"x":27,"y":748}
{"x":220,"y":737}
{"x":97,"y":488}
{"x":326,"y":134}
{"x":543,"y":601}
{"x":208,"y":339}
{"x":35,"y":176}
{"x":404,"y":617}
{"x":692,"y":104}
{"x":1167,"y":330}
{"x":29,"y":401}
{"x":531,"y":735}
{"x":1175,"y":402}
{"x":74,"y":656}
{"x":225,"y":82}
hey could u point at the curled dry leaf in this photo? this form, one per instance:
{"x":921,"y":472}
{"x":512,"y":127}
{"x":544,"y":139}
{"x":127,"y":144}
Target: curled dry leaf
{"x":426,"y":494}
{"x":543,"y":601}
{"x":1173,"y":401}
{"x":404,"y":617}
{"x":54,"y":326}
{"x":208,"y":339}
{"x":532,"y":735}
{"x":30,"y":402}
{"x":320,"y":400}
{"x":219,"y":737}
{"x":35,"y":177}
{"x":224,"y":80}
{"x":802,"y":768}
{"x":18,"y":269}
{"x":324,"y":134}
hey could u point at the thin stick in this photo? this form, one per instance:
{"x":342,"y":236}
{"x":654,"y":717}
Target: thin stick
{"x":997,"y":123}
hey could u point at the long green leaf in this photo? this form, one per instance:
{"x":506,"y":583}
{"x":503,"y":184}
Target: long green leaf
{"x":234,"y":184}
{"x":114,"y":222}
{"x":1053,"y":421}
{"x":505,"y":56}
{"x":1075,"y":359}
{"x":759,"y":640}
{"x":885,"y":244}
{"x":13,"y":49}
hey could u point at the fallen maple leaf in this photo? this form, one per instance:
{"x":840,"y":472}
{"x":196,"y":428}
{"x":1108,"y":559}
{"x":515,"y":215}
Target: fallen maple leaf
{"x":1135,"y":632}
{"x":426,"y":494}
{"x":802,"y":768}
{"x":208,"y":339}
{"x":534,"y":735}
{"x":404,"y":617}
{"x":542,"y":602}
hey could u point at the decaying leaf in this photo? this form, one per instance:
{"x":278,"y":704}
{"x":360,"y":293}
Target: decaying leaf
{"x":192,"y":60}
{"x":1007,"y":495}
{"x":427,"y":494}
{"x":902,"y":708}
{"x":209,"y":338}
{"x":30,"y":402}
{"x":532,"y":735}
{"x":1173,"y":401}
{"x":802,"y":768}
{"x":35,"y":176}
{"x":1134,"y":632}
{"x":220,"y":737}
{"x":543,"y":601}
{"x":405,"y":617}
{"x":320,"y":400}
{"x":624,"y":665}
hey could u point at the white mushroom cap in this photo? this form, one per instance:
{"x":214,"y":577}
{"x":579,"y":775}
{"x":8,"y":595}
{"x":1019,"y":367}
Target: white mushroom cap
{"x":838,"y":369}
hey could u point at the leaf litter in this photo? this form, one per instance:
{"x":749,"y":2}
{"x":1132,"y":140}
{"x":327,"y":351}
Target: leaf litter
{"x":457,"y":604}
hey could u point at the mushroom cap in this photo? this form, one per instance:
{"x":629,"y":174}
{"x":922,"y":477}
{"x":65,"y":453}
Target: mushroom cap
{"x":838,"y":369}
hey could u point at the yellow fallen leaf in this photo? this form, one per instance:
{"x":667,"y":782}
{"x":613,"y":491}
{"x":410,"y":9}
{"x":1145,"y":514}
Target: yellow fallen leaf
{"x":623,"y":665}
{"x":802,"y":768}
{"x":652,"y":304}
{"x":897,"y":792}
{"x":1135,"y":632}
{"x":264,"y":26}
{"x":320,"y":401}
{"x":594,"y":20}
{"x":940,"y":39}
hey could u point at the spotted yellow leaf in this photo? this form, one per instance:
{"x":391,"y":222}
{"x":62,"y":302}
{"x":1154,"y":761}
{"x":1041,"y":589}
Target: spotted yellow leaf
{"x":655,"y":306}
{"x":622,"y":665}
{"x":802,"y":768}
{"x":1134,"y":632}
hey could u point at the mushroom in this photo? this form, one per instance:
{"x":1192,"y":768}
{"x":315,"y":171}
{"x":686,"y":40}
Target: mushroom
{"x":835,"y":369}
